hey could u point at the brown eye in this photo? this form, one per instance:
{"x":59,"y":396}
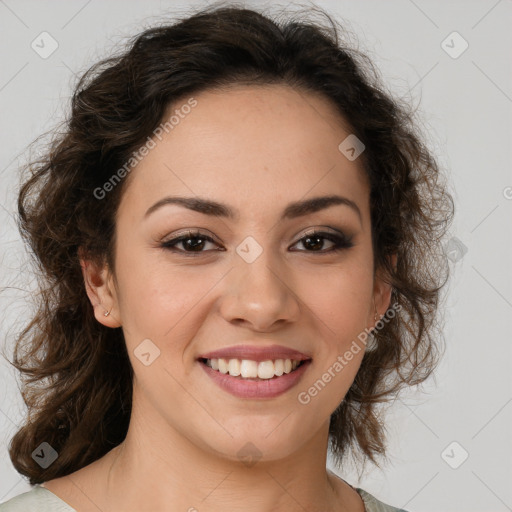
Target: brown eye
{"x":191,"y":243}
{"x":314,"y":242}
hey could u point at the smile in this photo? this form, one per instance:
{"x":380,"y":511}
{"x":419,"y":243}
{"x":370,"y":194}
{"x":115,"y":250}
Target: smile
{"x":245,"y":378}
{"x":249,"y":369}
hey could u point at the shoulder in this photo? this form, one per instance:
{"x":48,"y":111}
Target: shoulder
{"x":372,"y":504}
{"x":38,"y":499}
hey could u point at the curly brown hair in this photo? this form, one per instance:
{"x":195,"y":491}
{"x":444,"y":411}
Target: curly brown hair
{"x":77,"y":377}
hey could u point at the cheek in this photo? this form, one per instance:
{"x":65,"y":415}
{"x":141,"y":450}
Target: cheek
{"x":339,"y":305}
{"x":160,"y":301}
{"x":341,"y":298}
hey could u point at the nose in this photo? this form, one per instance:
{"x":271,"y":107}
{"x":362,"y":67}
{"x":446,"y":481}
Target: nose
{"x":260,"y":295}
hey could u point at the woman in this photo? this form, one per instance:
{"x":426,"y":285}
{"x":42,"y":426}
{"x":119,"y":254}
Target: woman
{"x":234,"y":210}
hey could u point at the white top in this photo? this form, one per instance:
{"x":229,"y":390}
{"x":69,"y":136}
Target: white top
{"x":40,"y":499}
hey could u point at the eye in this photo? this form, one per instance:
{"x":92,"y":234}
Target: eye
{"x":195,"y":241}
{"x":315,"y":241}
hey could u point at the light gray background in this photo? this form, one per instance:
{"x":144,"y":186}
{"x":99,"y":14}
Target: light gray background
{"x":465,"y":106}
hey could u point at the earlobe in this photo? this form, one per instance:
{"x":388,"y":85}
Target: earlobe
{"x":101,"y":293}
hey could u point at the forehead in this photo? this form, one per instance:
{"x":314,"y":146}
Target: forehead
{"x":241,"y":144}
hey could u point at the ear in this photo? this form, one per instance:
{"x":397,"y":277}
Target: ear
{"x":381,"y":294}
{"x":100,"y":288}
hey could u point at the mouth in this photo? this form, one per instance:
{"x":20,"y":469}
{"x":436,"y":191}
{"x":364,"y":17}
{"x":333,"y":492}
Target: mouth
{"x":250,"y":379}
{"x":247,"y":369}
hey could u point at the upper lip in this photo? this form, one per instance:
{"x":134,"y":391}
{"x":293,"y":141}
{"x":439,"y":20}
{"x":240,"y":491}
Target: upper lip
{"x":256,"y":353}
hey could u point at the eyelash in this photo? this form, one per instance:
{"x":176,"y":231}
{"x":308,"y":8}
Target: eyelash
{"x":340,"y":242}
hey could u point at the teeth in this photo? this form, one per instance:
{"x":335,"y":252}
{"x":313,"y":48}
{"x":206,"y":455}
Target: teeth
{"x":265,"y":369}
{"x":234,"y":367}
{"x":248,"y":369}
{"x":223,"y":366}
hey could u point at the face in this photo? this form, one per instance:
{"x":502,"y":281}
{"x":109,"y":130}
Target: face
{"x":252,"y":277}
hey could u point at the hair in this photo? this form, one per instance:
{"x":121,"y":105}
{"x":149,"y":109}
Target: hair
{"x":77,"y":376}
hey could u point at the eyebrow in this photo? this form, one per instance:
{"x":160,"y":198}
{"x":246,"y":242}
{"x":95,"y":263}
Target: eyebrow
{"x":292,"y":210}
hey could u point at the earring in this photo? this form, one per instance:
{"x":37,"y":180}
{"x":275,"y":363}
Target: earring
{"x":106,"y":313}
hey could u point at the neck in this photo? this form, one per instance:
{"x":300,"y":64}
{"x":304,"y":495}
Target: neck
{"x":172,"y":470}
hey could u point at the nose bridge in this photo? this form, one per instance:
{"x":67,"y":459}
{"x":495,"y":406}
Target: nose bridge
{"x":258,"y":292}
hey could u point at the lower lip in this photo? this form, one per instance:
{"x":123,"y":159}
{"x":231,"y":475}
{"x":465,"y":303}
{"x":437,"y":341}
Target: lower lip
{"x":264,"y":388}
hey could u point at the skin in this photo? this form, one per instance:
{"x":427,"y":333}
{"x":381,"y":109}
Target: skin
{"x":256,"y":149}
